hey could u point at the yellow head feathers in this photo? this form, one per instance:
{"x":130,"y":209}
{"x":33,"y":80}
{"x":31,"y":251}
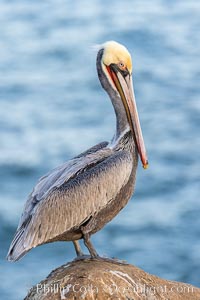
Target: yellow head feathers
{"x":115,"y":53}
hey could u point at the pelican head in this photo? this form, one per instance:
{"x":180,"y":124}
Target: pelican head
{"x":116,"y":65}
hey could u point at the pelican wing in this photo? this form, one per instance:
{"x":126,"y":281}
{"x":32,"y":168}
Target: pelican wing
{"x":45,"y":185}
{"x":83,"y":187}
{"x":69,"y":205}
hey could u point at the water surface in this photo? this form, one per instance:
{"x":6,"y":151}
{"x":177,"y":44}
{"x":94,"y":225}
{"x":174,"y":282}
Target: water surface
{"x":52,"y":107}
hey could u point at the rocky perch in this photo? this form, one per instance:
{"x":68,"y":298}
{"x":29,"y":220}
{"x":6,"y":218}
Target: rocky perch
{"x":108,"y":279}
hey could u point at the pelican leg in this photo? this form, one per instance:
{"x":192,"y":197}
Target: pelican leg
{"x":77,"y":248}
{"x":88,"y":244}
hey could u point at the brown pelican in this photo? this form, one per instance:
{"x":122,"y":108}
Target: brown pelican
{"x":79,"y":197}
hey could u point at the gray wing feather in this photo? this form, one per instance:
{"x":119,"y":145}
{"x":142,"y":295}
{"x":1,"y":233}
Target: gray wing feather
{"x":86,"y":183}
{"x":75,"y":201}
{"x":45,"y":185}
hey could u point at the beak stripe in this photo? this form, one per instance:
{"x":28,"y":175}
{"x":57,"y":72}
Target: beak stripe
{"x":125,"y":89}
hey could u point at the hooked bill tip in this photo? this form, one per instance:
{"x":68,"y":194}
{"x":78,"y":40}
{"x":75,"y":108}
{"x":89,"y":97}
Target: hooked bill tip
{"x":146,"y":165}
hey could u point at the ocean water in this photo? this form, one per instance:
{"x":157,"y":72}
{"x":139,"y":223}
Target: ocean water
{"x":52,"y":107}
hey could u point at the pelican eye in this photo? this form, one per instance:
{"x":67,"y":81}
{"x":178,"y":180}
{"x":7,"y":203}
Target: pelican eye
{"x":122,"y":68}
{"x":116,"y":68}
{"x":121,"y":65}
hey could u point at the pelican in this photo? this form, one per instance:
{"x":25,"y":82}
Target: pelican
{"x":76,"y":199}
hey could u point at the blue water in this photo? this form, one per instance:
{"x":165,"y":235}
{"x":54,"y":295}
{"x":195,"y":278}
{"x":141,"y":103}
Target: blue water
{"x":52,"y":107}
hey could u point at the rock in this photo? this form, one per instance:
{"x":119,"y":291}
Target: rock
{"x":91,"y":279}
